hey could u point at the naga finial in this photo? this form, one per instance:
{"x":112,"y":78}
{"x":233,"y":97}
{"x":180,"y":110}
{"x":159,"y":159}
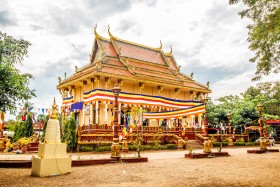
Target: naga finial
{"x":191,"y":76}
{"x":160,"y":44}
{"x":54,"y":110}
{"x":109,"y":32}
{"x":170,"y":49}
{"x":95,"y":33}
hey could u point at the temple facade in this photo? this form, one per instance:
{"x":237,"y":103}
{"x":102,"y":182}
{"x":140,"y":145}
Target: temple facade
{"x":149,"y":79}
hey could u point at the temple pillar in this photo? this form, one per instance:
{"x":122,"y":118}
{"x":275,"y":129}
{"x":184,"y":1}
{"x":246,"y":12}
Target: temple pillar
{"x":192,"y":120}
{"x":106,"y":113}
{"x":120,"y":112}
{"x":91,"y":113}
{"x":199,"y":119}
{"x":83,"y":115}
{"x":96,"y":112}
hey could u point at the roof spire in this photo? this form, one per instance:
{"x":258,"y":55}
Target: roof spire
{"x":160,"y":44}
{"x":95,"y":33}
{"x":170,"y":49}
{"x":111,"y":36}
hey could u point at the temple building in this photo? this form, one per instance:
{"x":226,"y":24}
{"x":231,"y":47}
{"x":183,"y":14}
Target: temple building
{"x":148,"y":77}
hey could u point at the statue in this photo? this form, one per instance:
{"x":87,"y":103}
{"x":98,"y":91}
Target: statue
{"x":8,"y":145}
{"x":180,"y":143}
{"x":208,"y":84}
{"x":208,"y":145}
{"x":186,"y":142}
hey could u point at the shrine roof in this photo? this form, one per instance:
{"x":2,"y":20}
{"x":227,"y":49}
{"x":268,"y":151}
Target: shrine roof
{"x":130,"y":60}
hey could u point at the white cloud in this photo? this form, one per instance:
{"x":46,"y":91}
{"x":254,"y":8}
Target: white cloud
{"x":208,"y":37}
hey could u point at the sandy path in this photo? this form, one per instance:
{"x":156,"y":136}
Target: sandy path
{"x":165,"y":168}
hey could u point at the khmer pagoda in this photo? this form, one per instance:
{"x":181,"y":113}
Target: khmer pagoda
{"x":148,"y":77}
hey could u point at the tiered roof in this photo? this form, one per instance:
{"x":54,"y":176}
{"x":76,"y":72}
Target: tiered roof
{"x":127,"y":60}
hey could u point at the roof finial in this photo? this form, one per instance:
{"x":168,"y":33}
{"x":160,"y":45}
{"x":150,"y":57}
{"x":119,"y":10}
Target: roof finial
{"x":160,"y":44}
{"x":170,"y":49}
{"x":54,"y":110}
{"x":111,"y":36}
{"x":95,"y":33}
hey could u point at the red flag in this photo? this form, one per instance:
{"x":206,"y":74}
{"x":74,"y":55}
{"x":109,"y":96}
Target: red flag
{"x":42,"y":124}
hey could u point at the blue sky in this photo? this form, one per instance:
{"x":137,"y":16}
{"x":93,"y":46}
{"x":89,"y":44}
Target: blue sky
{"x":208,"y":38}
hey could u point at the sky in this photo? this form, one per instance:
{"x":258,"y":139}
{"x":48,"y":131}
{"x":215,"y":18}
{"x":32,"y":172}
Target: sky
{"x":208,"y":38}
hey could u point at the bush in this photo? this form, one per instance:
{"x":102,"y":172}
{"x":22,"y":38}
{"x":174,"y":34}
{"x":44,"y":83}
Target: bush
{"x":146,"y":147}
{"x":225,"y":144}
{"x":239,"y":143}
{"x":103,"y":148}
{"x":250,"y":144}
{"x":216,"y":144}
{"x":171,"y":146}
{"x":86,"y":149}
{"x":159,"y":147}
{"x":132,"y":147}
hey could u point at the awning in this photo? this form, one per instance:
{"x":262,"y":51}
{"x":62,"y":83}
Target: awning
{"x":77,"y":106}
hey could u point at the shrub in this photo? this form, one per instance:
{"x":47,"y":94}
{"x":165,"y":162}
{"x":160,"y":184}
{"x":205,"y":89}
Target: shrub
{"x":239,"y":143}
{"x":86,"y":149}
{"x":171,"y":146}
{"x":216,"y":144}
{"x":132,"y":147}
{"x":225,"y":144}
{"x":103,"y":148}
{"x":250,"y":144}
{"x":147,"y":147}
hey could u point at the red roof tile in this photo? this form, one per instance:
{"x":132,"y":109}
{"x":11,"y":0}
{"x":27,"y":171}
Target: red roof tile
{"x":108,"y":48}
{"x":171,"y":63}
{"x":116,"y":71}
{"x":153,"y":74}
{"x":149,"y":67}
{"x":140,"y":53}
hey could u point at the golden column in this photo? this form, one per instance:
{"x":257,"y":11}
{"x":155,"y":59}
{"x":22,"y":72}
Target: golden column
{"x":230,"y":142}
{"x":262,"y":141}
{"x":115,"y":148}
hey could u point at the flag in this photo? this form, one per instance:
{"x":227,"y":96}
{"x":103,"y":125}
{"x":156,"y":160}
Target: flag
{"x":42,"y":124}
{"x":123,"y":134}
{"x":23,"y":118}
{"x":33,"y":118}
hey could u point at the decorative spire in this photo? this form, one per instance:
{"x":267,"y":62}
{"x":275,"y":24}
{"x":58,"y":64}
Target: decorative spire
{"x":95,"y":33}
{"x":54,"y":110}
{"x":170,"y":49}
{"x":111,"y":36}
{"x":160,"y":44}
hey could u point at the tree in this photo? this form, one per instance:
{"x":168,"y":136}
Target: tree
{"x":267,"y":93}
{"x":13,"y":84}
{"x":264,"y":34}
{"x":28,"y":125}
{"x":70,"y":132}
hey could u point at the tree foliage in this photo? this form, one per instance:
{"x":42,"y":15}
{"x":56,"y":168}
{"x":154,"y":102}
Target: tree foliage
{"x":267,"y":93}
{"x":70,"y":132}
{"x":13,"y":84}
{"x":264,"y":34}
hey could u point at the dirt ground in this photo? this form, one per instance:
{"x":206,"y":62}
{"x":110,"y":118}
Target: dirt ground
{"x":165,"y":168}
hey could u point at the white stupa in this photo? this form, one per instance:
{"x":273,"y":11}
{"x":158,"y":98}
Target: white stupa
{"x":52,"y":157}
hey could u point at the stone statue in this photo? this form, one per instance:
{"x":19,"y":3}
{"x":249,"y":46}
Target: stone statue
{"x":8,"y":145}
{"x":180,"y":143}
{"x":208,"y":145}
{"x":186,"y":142}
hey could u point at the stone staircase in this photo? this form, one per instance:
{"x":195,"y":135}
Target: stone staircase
{"x":194,"y":144}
